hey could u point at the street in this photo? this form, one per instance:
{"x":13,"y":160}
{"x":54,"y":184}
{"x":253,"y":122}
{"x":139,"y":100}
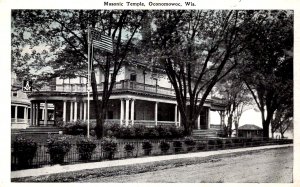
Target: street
{"x":266,"y":166}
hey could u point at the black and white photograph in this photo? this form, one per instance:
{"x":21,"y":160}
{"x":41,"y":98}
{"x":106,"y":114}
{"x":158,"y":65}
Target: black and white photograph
{"x":151,"y":92}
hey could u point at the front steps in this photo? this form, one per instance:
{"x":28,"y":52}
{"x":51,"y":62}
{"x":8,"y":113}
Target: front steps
{"x":41,"y":130}
{"x":207,"y":133}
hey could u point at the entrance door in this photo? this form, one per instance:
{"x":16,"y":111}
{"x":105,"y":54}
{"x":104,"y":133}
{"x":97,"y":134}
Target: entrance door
{"x":203,"y":118}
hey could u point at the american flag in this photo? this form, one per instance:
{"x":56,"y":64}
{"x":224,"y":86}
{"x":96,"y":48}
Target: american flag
{"x":101,"y":41}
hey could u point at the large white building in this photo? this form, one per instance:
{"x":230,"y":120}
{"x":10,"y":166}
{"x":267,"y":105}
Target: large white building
{"x":138,"y":97}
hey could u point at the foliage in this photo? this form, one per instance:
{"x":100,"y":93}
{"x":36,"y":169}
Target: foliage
{"x":237,"y":97}
{"x":268,"y":68}
{"x":53,"y":43}
{"x":219,"y":143}
{"x":24,"y":150}
{"x":127,"y":132}
{"x":85,"y":148}
{"x":76,"y":128}
{"x":151,"y":133}
{"x":229,"y":143}
{"x":109,"y":147}
{"x":58,"y":147}
{"x":177,"y":146}
{"x":164,"y":146}
{"x":129,"y":147}
{"x":139,"y":131}
{"x":190,"y":143}
{"x":211,"y":144}
{"x":196,"y":48}
{"x":147,"y":147}
{"x":201,"y":145}
{"x":163,"y":131}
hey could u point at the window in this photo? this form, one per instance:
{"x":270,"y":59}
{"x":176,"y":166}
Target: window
{"x":110,"y":115}
{"x":13,"y":111}
{"x":133,"y":77}
{"x":15,"y":94}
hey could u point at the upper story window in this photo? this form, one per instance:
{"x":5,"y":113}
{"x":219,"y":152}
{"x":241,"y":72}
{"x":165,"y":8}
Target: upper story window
{"x":133,"y":77}
{"x":15,"y":94}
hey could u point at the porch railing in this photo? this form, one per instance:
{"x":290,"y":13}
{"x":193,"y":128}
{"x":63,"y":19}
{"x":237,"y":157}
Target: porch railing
{"x":122,"y":85}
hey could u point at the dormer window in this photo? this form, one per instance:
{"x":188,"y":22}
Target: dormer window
{"x":133,"y":77}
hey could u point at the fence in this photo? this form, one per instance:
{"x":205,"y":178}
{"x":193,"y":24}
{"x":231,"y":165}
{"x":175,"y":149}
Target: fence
{"x":42,"y":156}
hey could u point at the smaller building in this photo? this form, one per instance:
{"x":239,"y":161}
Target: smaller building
{"x":20,"y":105}
{"x":250,"y":131}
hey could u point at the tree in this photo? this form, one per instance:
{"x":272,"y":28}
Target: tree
{"x":268,"y":72}
{"x":62,"y":34}
{"x":196,"y":49}
{"x":237,"y":97}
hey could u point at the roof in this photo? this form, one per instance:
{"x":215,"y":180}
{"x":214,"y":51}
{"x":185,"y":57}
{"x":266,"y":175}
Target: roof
{"x":249,"y":127}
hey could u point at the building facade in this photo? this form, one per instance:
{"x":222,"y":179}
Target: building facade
{"x":139,"y":97}
{"x":20,"y":105}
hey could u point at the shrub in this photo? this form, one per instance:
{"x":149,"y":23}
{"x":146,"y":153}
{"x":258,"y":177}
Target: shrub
{"x":163,"y":131}
{"x":201,"y":146}
{"x":177,"y":132}
{"x":126,"y":132}
{"x":85,"y":148}
{"x":112,"y":130}
{"x":76,"y":128}
{"x":211,"y":144}
{"x":139,"y":131}
{"x":164,"y":146}
{"x":190,"y":143}
{"x":129,"y":149}
{"x":24,"y":150}
{"x":58,"y":147}
{"x":109,"y":147}
{"x":228,"y":143}
{"x":147,"y":147}
{"x":177,"y":146}
{"x":151,"y":133}
{"x":236,"y":142}
{"x":219,"y":143}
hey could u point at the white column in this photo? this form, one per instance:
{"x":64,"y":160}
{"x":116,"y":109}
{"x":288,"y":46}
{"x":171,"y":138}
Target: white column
{"x":84,"y":111}
{"x":176,"y":114}
{"x":132,"y":112}
{"x":64,"y":111}
{"x":16,"y":114}
{"x":155,"y":112}
{"x":75,"y":111}
{"x":126,"y":111}
{"x":46,"y":113}
{"x":33,"y":114}
{"x":198,"y":121}
{"x":71,"y":111}
{"x":37,"y":114}
{"x":25,"y":114}
{"x":121,"y":111}
{"x":179,"y":118}
{"x":80,"y":111}
{"x":43,"y":113}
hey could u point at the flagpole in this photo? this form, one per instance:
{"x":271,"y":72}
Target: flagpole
{"x":88,"y":86}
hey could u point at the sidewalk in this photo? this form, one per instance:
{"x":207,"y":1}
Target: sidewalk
{"x":94,"y":165}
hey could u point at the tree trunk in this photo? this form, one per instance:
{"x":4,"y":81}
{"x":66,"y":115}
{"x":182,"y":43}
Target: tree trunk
{"x":266,"y":129}
{"x":98,"y":112}
{"x":229,"y":125}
